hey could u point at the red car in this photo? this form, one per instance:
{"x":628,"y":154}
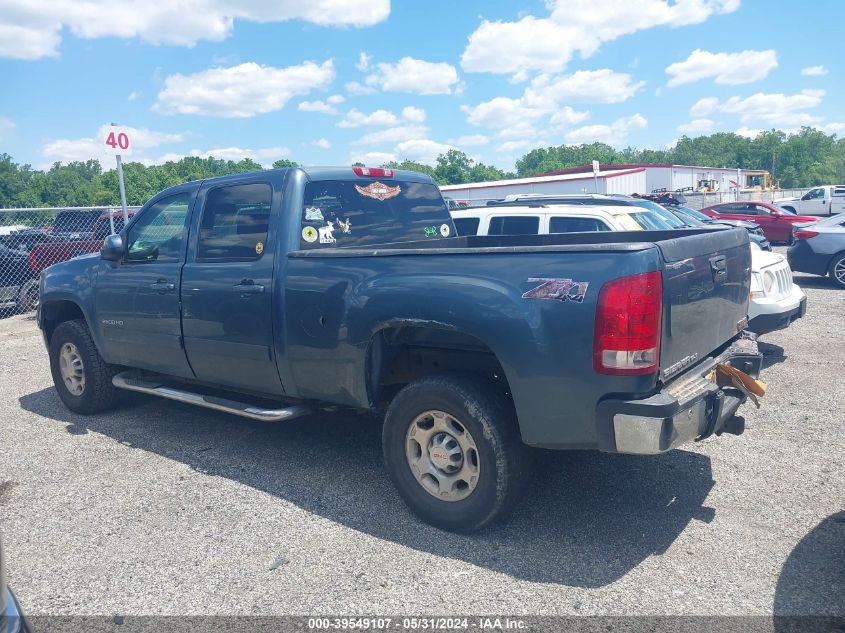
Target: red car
{"x":775,"y":222}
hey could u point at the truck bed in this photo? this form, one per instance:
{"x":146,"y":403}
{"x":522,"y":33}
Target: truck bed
{"x":476,"y":285}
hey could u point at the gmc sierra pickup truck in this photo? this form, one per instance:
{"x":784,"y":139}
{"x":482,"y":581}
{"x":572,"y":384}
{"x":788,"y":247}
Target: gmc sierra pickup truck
{"x":272,"y":294}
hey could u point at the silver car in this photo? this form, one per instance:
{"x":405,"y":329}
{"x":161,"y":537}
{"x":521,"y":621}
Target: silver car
{"x":819,"y":249}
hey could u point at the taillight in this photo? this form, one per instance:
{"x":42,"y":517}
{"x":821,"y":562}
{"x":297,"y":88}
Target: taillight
{"x":803,"y":234}
{"x":628,"y":317}
{"x":373,"y":172}
{"x":33,"y":262}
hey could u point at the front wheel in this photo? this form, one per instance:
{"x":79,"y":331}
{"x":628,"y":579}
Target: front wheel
{"x":837,"y":270}
{"x":453,"y":451}
{"x":82,"y":378}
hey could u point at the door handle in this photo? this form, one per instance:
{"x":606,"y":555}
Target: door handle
{"x":248,"y":287}
{"x":162,"y":286}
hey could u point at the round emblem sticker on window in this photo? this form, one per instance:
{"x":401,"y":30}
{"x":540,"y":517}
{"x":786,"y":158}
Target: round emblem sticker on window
{"x":309,"y":234}
{"x":259,"y":248}
{"x":444,"y":230}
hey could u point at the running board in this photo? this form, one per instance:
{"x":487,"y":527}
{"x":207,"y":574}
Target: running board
{"x":126,"y":380}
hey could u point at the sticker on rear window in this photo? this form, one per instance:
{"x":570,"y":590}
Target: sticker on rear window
{"x":313,"y":214}
{"x":379,"y":191}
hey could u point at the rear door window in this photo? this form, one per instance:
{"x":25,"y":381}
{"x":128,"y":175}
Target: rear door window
{"x":234,"y":222}
{"x":576,"y":225}
{"x":514,"y":225}
{"x":372,"y":211}
{"x":466,"y":226}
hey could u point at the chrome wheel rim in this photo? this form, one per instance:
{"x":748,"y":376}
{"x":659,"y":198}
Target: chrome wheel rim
{"x":72,"y":369}
{"x":839,"y":270}
{"x":442,"y":456}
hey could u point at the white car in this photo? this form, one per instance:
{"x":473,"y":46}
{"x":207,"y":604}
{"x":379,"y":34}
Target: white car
{"x":775,"y":301}
{"x":825,"y":200}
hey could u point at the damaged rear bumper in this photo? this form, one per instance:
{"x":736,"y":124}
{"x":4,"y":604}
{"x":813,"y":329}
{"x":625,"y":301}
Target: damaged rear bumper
{"x":690,"y":407}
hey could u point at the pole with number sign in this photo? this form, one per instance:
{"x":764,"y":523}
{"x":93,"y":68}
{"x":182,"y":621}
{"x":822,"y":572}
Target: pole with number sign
{"x":596,"y":169}
{"x":118,"y":142}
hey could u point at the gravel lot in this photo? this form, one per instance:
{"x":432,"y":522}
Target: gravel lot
{"x":163,"y":508}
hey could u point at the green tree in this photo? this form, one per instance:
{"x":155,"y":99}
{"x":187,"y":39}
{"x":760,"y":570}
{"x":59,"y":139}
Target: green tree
{"x":284,"y":162}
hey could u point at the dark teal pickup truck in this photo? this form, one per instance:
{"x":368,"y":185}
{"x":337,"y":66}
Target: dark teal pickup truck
{"x":272,"y":294}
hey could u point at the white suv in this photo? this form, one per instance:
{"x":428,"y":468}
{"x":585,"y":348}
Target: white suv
{"x":775,"y":301}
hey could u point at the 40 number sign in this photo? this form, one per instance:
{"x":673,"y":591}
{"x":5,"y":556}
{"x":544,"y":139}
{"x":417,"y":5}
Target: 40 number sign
{"x":117,"y":141}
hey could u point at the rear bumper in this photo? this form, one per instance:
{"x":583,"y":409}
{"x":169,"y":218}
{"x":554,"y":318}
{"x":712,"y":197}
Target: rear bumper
{"x":780,"y":318}
{"x":689,"y":408}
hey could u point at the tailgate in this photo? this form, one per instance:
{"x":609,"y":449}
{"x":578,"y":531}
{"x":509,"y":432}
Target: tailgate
{"x":706,"y":281}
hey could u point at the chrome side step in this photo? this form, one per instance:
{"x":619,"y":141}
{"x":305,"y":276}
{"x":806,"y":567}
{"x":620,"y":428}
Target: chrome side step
{"x":126,"y":380}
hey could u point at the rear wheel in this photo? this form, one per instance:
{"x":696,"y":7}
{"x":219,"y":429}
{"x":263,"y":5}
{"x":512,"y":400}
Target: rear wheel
{"x":28,"y":297}
{"x":837,"y":270}
{"x":453,"y":450}
{"x":82,"y":378}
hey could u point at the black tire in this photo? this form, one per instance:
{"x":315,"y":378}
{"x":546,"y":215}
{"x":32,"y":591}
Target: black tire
{"x":504,"y":461}
{"x":28,"y":297}
{"x":98,"y":394}
{"x":838,"y":260}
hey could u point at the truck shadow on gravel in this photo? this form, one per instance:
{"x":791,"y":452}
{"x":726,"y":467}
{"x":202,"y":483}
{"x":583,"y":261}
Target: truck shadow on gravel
{"x":586,"y":520}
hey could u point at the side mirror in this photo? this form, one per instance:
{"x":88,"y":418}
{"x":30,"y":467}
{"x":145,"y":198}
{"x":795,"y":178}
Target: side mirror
{"x":112,"y":248}
{"x":776,"y":214}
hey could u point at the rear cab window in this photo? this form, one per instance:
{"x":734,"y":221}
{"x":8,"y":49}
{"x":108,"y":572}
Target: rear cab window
{"x":338,"y":213}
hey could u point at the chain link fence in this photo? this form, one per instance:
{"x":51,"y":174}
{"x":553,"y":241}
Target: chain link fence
{"x":31,"y":239}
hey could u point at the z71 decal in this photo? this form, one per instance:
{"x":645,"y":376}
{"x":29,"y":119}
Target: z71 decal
{"x":559,"y":289}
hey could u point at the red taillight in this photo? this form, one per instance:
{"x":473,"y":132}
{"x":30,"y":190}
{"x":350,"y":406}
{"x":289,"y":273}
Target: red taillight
{"x":628,"y":315}
{"x":33,"y":262}
{"x":373,"y":172}
{"x":803,"y":234}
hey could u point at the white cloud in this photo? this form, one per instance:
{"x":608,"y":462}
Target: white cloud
{"x":575,"y":26}
{"x":241,"y":91}
{"x":501,"y":112}
{"x":237,"y":153}
{"x":421,"y":149}
{"x":392,"y":135}
{"x":725,"y":68}
{"x":81,"y":149}
{"x":323,"y":143}
{"x":775,"y":109}
{"x":6,"y":125}
{"x":363,"y":63}
{"x":31,"y":29}
{"x":316,"y":106}
{"x":415,"y":76}
{"x":470,"y":140}
{"x":697,"y":126}
{"x":413,"y":114}
{"x":814,"y":71}
{"x":335,"y":99}
{"x":356,"y":118}
{"x":748,"y":132}
{"x":133,"y":95}
{"x":704,"y":106}
{"x":614,"y":134}
{"x":355,"y":88}
{"x":832,"y":128}
{"x":373,"y":158}
{"x":595,"y":86}
{"x":568,"y":116}
{"x":510,"y":146}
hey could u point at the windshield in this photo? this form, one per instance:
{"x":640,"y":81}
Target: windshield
{"x":668,"y":217}
{"x":690,"y":219}
{"x":652,"y":221}
{"x":360,"y":212}
{"x":698,"y":215}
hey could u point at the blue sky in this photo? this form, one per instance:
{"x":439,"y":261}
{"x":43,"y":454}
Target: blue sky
{"x":332,"y":81}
